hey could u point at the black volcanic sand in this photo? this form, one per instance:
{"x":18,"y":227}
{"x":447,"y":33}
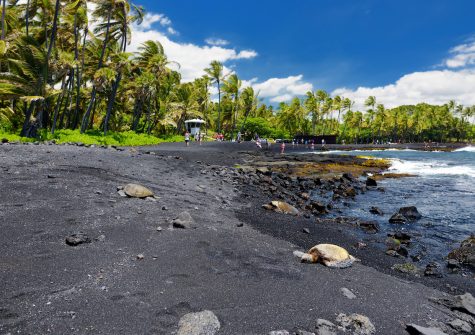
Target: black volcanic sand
{"x":246,"y":274}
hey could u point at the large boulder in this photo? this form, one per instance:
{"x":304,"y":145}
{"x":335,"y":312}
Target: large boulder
{"x":466,"y":253}
{"x":397,"y":218}
{"x":411,"y":213}
{"x":371,"y":182}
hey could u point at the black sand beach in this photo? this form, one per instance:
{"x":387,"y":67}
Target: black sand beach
{"x":140,"y":276}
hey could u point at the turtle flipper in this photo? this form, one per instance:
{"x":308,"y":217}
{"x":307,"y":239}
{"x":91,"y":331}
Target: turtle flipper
{"x":346,"y":263}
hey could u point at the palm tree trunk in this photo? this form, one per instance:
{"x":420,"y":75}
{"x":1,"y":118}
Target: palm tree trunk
{"x":3,"y":19}
{"x":58,"y":104}
{"x":219,"y":108}
{"x":85,"y":119}
{"x":26,"y":123}
{"x":53,"y":30}
{"x":27,"y":17}
{"x":110,"y":103}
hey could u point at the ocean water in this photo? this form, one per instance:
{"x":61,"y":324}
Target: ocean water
{"x":443,"y":192}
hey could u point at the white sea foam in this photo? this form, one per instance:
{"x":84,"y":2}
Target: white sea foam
{"x":431,"y":168}
{"x":467,"y":149}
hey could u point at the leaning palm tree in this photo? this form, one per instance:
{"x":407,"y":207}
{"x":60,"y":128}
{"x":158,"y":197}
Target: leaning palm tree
{"x":215,"y":71}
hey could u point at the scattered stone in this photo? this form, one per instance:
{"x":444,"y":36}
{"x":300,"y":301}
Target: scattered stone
{"x":164,"y":208}
{"x":50,"y":176}
{"x":360,"y":245}
{"x":433,"y":269}
{"x":306,"y":230}
{"x":100,"y":238}
{"x":392,"y":253}
{"x":200,"y":323}
{"x":376,"y":211}
{"x":359,"y":324}
{"x":406,"y":268}
{"x":137,"y":191}
{"x":393,"y":244}
{"x":404,"y":238}
{"x":453,"y":265}
{"x":279,"y":332}
{"x":159,"y":228}
{"x":303,"y":332}
{"x":317,"y":206}
{"x":369,"y":227}
{"x":184,"y":220}
{"x":325,"y":327}
{"x":348,"y":176}
{"x":347,"y":293}
{"x":397,"y":218}
{"x":403,"y":252}
{"x":122,"y":193}
{"x":330,"y":255}
{"x":460,"y":326}
{"x":77,"y":239}
{"x":411,"y":213}
{"x":305,"y":196}
{"x":239,"y":224}
{"x":140,"y":257}
{"x":418,"y":330}
{"x":281,"y":207}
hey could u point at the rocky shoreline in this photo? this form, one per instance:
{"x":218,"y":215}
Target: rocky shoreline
{"x":225,"y":267}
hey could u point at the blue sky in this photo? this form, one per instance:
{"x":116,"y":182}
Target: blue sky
{"x":341,"y":46}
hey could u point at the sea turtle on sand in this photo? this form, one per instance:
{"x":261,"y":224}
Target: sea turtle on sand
{"x":328,"y":254}
{"x":281,"y":207}
{"x":135,"y":191}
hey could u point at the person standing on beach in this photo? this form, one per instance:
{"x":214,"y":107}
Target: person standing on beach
{"x":238,"y":138}
{"x":187,"y":138}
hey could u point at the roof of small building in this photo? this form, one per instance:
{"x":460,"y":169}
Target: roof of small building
{"x":195,"y":121}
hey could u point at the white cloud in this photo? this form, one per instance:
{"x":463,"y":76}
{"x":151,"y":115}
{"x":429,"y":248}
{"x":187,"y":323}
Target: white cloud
{"x":433,"y":87}
{"x":216,"y":41}
{"x":455,"y":81}
{"x":151,"y":18}
{"x":193,"y":59}
{"x":462,"y":55}
{"x":280,"y":89}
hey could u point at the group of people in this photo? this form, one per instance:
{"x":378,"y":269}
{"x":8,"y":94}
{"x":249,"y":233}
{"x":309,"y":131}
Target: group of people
{"x":198,"y":138}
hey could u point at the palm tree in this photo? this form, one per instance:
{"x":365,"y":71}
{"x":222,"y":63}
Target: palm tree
{"x":248,"y":102}
{"x":215,"y":71}
{"x":232,"y":86}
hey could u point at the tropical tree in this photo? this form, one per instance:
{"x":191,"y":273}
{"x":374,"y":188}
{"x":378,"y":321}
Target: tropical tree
{"x":215,"y":72}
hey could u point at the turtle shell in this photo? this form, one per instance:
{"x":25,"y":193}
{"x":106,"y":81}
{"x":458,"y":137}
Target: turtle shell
{"x":284,"y":207}
{"x":137,"y":191}
{"x":331,"y":255}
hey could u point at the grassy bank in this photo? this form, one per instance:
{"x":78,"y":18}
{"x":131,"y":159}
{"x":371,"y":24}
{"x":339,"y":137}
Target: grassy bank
{"x":127,"y":138}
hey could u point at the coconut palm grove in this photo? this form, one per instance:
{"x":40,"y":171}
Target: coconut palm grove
{"x":65,"y":69}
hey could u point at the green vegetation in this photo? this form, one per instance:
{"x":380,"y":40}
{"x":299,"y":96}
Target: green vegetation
{"x":126,"y":138}
{"x":66,"y":74}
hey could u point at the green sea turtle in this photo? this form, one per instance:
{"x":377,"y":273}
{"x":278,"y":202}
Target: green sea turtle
{"x":328,"y":254}
{"x":281,"y":207}
{"x":135,"y":191}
